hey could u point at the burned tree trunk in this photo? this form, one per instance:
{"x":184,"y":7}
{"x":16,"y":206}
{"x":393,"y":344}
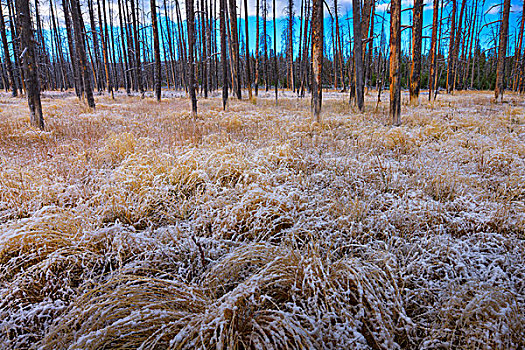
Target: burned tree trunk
{"x":339,"y":47}
{"x":156,"y":49}
{"x":234,"y":42}
{"x":224,"y":58}
{"x":366,"y":9}
{"x":265,"y":44}
{"x":502,"y":51}
{"x":358,"y":54}
{"x":451,"y":45}
{"x":190,"y":15}
{"x":289,"y":48}
{"x":370,"y":44}
{"x":104,"y":38}
{"x":256,"y":48}
{"x":204,"y":48}
{"x":9,"y":66}
{"x":94,"y":37}
{"x":124,"y":49}
{"x":517,"y":54}
{"x":317,"y":57}
{"x":395,"y":59}
{"x":77,"y":78}
{"x":27,"y":41}
{"x":415,"y":69}
{"x":19,"y":73}
{"x":138,"y":67}
{"x":304,"y":59}
{"x":80,"y":45}
{"x":275,"y":66}
{"x":455,"y":52}
{"x":248,"y":72}
{"x":433,"y":48}
{"x":58,"y":40}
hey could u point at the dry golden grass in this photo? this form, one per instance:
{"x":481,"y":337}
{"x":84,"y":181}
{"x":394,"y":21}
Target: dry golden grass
{"x":138,"y":226}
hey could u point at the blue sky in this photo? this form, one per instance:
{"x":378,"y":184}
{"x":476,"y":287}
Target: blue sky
{"x":490,"y":8}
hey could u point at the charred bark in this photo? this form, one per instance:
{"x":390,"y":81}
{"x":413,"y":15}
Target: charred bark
{"x":415,"y":69}
{"x":190,"y":15}
{"x":358,"y":54}
{"x":395,"y":59}
{"x":27,"y":42}
{"x":156,"y":49}
{"x":502,"y":51}
{"x":317,"y":57}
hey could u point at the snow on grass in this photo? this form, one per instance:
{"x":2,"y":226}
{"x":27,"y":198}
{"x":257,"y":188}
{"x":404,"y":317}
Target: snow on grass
{"x":137,"y":226}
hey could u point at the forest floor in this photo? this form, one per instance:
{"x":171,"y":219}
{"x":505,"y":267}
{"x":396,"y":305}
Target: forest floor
{"x":136,"y":225}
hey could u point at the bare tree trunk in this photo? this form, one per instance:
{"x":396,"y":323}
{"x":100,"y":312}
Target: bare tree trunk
{"x":275,"y":66}
{"x":204,"y":56}
{"x":234,"y":43}
{"x":125,"y":50}
{"x":317,"y":57}
{"x":455,"y":52}
{"x":366,"y":7}
{"x":370,"y":45}
{"x":19,"y":72}
{"x":81,"y":52}
{"x":415,"y":69}
{"x":437,"y":77}
{"x":58,"y":40}
{"x":96,"y":47}
{"x":210,"y":18}
{"x":224,"y":58}
{"x":334,"y":54}
{"x":395,"y":58}
{"x":451,"y":46}
{"x":474,"y":58}
{"x":138,"y":65}
{"x":289,"y":49}
{"x":299,"y":56}
{"x":156,"y":48}
{"x":433,"y":53}
{"x":522,"y":79}
{"x":168,"y":59}
{"x":517,"y":54}
{"x":130,"y":44}
{"x":113,"y":43}
{"x":104,"y":37}
{"x":27,"y":40}
{"x":208,"y":62}
{"x":502,"y":51}
{"x":77,"y":78}
{"x":41,"y":52}
{"x":358,"y":54}
{"x":265,"y":34}
{"x":248,"y":72}
{"x":470,"y":42}
{"x":170,"y":44}
{"x":257,"y":42}
{"x":182,"y":46}
{"x":190,"y":15}
{"x":8,"y":64}
{"x":339,"y":45}
{"x":304,"y":60}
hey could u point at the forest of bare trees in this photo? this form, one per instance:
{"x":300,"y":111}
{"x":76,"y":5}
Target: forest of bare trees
{"x":97,"y":45}
{"x":262,"y":174}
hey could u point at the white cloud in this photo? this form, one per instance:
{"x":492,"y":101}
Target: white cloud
{"x":383,"y":7}
{"x":494,"y":9}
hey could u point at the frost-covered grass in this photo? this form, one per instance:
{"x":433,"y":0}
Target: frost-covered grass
{"x":136,"y":226}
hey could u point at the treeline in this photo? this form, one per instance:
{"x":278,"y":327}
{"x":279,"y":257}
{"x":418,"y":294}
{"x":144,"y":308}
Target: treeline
{"x":203,"y":45}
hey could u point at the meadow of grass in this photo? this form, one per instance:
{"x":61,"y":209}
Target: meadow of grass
{"x":137,"y":226}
